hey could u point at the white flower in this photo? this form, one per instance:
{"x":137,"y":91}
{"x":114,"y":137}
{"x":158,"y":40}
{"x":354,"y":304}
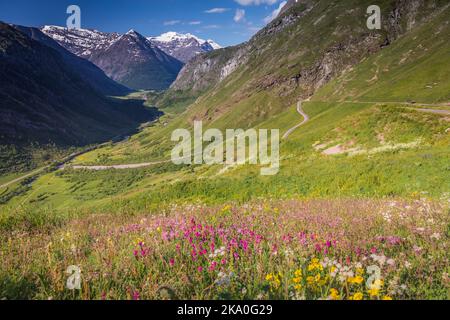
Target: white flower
{"x":391,"y":262}
{"x":435,"y":236}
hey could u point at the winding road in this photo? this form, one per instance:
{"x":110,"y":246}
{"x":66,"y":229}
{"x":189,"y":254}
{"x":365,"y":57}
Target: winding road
{"x":120,"y":166}
{"x":305,"y":119}
{"x":28,"y":175}
{"x":147,"y":164}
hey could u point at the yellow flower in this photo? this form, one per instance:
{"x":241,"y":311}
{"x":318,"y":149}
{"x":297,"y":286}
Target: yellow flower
{"x":317,"y":277}
{"x":274,"y":280}
{"x":378,"y":284}
{"x":356,"y":280}
{"x":359,"y":271}
{"x":386,"y":298}
{"x":226,"y":208}
{"x":310,"y":280}
{"x":298,"y":287}
{"x":298,"y":273}
{"x":373,"y":292}
{"x":334,"y":294}
{"x":357,"y":296}
{"x":315,"y":265}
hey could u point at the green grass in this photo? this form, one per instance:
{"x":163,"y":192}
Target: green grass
{"x":389,"y":151}
{"x":415,"y":68}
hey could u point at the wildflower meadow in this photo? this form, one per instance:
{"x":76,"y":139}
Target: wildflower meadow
{"x":296,"y":250}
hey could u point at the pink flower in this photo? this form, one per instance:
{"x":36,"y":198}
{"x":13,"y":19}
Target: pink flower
{"x":172,"y":262}
{"x":244,"y":245}
{"x":213,"y":266}
{"x":136,"y":295}
{"x":200,"y":269}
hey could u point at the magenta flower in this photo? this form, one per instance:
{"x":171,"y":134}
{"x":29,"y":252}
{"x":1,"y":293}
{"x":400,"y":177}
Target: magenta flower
{"x":136,"y":295}
{"x":213,"y":266}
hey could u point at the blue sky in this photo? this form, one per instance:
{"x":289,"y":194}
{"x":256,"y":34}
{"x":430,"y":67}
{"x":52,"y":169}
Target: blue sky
{"x":228,"y":22}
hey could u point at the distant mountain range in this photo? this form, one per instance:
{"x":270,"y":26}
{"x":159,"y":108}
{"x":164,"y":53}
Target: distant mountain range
{"x":131,"y":59}
{"x":183,"y":46}
{"x":49,"y":95}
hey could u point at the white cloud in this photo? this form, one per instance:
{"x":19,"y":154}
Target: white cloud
{"x":275,"y":12}
{"x":171,"y":22}
{"x":195,"y":23}
{"x":217,"y":10}
{"x":239,"y":15}
{"x":211,"y":26}
{"x":255,"y":2}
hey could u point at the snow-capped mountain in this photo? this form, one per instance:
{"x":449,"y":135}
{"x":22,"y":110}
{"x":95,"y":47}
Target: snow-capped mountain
{"x":137,"y":63}
{"x":81,"y":42}
{"x":129,"y":59}
{"x":183,"y":46}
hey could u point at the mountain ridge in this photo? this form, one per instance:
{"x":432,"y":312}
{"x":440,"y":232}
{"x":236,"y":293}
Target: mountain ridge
{"x":43,"y":98}
{"x":95,"y":46}
{"x":137,"y":64}
{"x":184,"y":47}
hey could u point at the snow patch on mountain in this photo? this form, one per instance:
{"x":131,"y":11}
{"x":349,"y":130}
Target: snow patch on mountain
{"x":183,"y":46}
{"x":82,"y":42}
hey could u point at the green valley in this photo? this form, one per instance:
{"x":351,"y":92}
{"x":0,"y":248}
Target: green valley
{"x":376,"y":143}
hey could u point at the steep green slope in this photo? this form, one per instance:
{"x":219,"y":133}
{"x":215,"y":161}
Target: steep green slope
{"x":298,"y":53}
{"x":416,"y":68}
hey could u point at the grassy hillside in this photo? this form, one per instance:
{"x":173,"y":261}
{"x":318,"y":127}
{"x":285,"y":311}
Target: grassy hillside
{"x":357,"y":183}
{"x":363,"y":148}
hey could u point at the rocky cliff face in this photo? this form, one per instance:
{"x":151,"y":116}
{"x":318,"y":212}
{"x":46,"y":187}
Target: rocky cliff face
{"x":205,"y":70}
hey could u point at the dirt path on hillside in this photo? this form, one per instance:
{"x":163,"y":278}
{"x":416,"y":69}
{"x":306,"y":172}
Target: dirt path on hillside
{"x":28,"y":175}
{"x":435,"y":111}
{"x":305,"y":119}
{"x":120,"y":166}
